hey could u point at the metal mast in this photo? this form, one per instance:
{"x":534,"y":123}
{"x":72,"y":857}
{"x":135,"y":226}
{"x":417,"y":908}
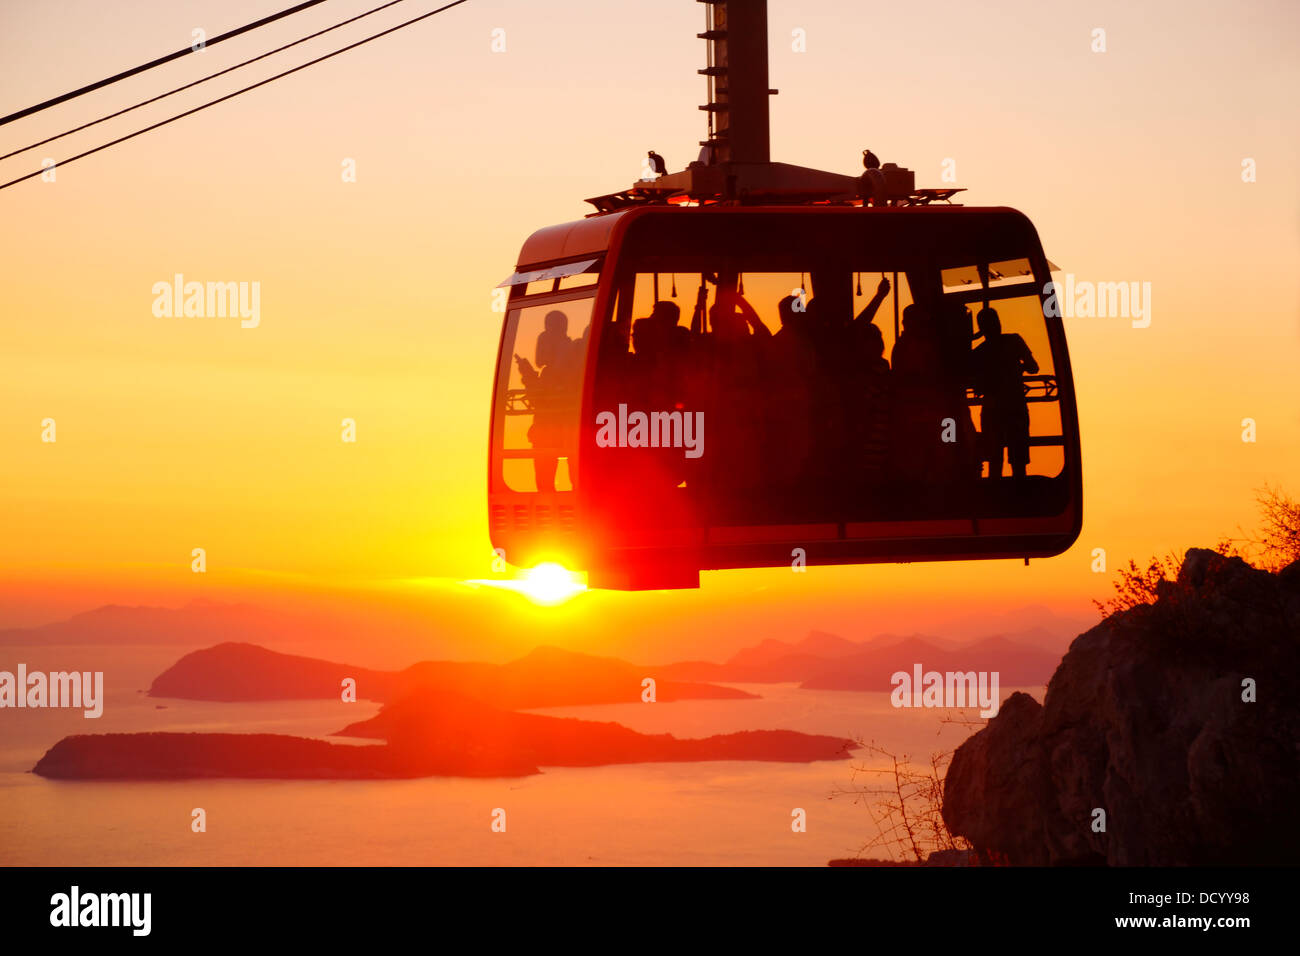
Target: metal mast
{"x":735,"y":164}
{"x":739,"y":125}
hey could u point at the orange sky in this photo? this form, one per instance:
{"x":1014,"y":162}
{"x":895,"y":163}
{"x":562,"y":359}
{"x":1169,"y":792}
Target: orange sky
{"x":178,"y":433}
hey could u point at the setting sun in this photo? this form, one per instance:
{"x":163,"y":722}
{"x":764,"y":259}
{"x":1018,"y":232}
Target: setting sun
{"x":550,"y":583}
{"x":546,"y":584}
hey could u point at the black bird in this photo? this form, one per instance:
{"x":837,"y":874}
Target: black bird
{"x":657,"y":163}
{"x":869,"y":160}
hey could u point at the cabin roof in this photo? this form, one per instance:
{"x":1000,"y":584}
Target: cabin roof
{"x":569,"y":240}
{"x":590,"y":237}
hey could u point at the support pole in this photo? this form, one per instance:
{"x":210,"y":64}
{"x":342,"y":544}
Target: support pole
{"x":738,"y":78}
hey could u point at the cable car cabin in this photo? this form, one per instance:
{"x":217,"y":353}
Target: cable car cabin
{"x":685,"y":388}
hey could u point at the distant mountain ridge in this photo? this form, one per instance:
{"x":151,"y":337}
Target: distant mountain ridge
{"x":872,"y":670}
{"x":826,"y":662}
{"x":202,"y":622}
{"x":194,"y":623}
{"x":554,"y":677}
{"x":819,"y":660}
{"x":546,"y":677}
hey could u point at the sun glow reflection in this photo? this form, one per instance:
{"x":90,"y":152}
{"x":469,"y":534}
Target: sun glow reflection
{"x":547,"y":584}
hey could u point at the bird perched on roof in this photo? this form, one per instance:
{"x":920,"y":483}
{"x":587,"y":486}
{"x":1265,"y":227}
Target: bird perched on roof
{"x":657,"y":163}
{"x":869,"y":160}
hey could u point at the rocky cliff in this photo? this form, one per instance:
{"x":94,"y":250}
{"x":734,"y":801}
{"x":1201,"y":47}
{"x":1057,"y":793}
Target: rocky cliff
{"x":1149,"y":718}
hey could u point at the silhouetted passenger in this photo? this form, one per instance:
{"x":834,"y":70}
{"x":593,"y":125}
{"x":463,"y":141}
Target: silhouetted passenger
{"x":793,"y":315}
{"x":550,"y":388}
{"x":791,"y":375}
{"x":734,"y":399}
{"x":919,"y":405}
{"x":999,"y":367}
{"x":734,"y":320}
{"x":869,"y":398}
{"x":931,"y":369}
{"x":653,"y":370}
{"x":868,"y":314}
{"x":839,"y":389}
{"x":676,"y":339}
{"x":666,"y":313}
{"x":869,"y":347}
{"x":648,"y":338}
{"x":652,"y":383}
{"x":916,"y":353}
{"x":866,"y":343}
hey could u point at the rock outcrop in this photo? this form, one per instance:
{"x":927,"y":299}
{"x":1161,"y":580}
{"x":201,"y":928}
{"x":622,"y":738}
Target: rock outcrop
{"x":1147,"y":719}
{"x":190,"y":756}
{"x":424,"y":735}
